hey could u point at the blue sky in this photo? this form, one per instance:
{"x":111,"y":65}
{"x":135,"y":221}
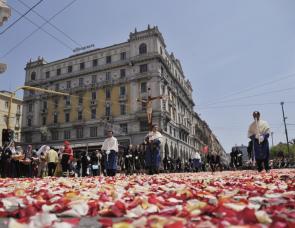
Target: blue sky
{"x":239,"y":55}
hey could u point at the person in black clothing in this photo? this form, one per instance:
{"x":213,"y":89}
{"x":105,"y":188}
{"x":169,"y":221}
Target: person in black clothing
{"x":136,"y":160}
{"x":6,"y":162}
{"x":233,"y":158}
{"x":178,"y":165}
{"x":85,"y":163}
{"x":128,"y":158}
{"x":165,"y":163}
{"x":94,"y":161}
{"x":214,"y":162}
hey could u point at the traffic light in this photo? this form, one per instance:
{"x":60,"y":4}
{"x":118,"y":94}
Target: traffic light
{"x":7,"y":136}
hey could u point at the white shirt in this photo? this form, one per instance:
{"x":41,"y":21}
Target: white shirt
{"x":260,"y":127}
{"x":197,"y":156}
{"x":110,"y":144}
{"x":154,"y":135}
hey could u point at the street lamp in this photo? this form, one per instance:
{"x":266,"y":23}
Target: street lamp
{"x":33,"y":89}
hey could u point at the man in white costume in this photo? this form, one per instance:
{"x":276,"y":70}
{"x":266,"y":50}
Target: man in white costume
{"x":152,"y":158}
{"x":110,"y":147}
{"x":259,"y":132}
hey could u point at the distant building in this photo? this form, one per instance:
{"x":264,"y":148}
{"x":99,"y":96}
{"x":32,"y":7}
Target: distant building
{"x":16,"y":113}
{"x":104,"y":85}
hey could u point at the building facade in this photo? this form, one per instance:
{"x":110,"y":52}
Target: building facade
{"x":104,"y":86}
{"x":15,"y":116}
{"x":5,"y":13}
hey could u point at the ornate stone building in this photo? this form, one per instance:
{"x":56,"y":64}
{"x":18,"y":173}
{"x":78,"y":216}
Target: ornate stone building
{"x":15,"y":116}
{"x":104,"y":85}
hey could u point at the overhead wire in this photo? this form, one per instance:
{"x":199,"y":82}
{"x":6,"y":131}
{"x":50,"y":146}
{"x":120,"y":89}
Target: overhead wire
{"x":37,"y":29}
{"x":42,"y":29}
{"x":22,"y":16}
{"x":251,"y":88}
{"x":256,"y":95}
{"x":54,"y":26}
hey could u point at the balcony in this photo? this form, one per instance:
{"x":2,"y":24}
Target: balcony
{"x":44,"y":111}
{"x":67,"y":106}
{"x":123,"y":97}
{"x":93,"y":102}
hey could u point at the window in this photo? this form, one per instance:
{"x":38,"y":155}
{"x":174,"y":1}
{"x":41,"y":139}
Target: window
{"x":30,"y":107}
{"x":143,"y":125}
{"x":161,"y":50}
{"x":70,"y":69}
{"x":82,"y":66}
{"x":28,"y":138}
{"x":47,"y":74}
{"x":93,"y":113}
{"x":55,"y":118}
{"x":162,"y":70}
{"x":56,"y":87}
{"x":33,"y":76}
{"x":93,"y":131}
{"x":29,"y":122}
{"x":79,"y":133}
{"x":54,"y":135}
{"x":143,"y":106}
{"x":67,"y":100}
{"x":93,"y":95}
{"x":93,"y":79}
{"x":142,"y":49}
{"x":67,"y":117}
{"x":94,"y":62}
{"x":143,"y":68}
{"x":18,"y":109}
{"x":123,"y":109}
{"x":56,"y":103}
{"x":108,"y":59}
{"x":43,"y":138}
{"x":32,"y":93}
{"x":108,"y":93}
{"x":17,"y":121}
{"x":124,"y":128}
{"x":16,"y":136}
{"x":44,"y":105}
{"x":67,"y":134}
{"x":122,"y":73}
{"x":81,"y":81}
{"x":123,"y":55}
{"x":58,"y":71}
{"x":69,"y":84}
{"x":44,"y":120}
{"x":122,"y":91}
{"x":108,"y":76}
{"x":6,"y":104}
{"x":80,"y":99}
{"x":143,"y":87}
{"x":108,"y":109}
{"x":80,"y":115}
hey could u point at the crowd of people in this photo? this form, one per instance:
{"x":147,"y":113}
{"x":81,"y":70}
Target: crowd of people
{"x":135,"y":159}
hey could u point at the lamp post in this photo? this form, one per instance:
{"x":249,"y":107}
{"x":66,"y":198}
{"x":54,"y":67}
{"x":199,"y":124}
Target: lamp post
{"x":33,"y":89}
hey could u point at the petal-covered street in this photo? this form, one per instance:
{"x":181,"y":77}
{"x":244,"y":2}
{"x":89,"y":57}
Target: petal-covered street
{"x":238,"y":198}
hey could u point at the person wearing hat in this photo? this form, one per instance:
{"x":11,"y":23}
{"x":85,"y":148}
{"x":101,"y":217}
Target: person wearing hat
{"x":111,"y":148}
{"x":152,"y":157}
{"x":259,"y":132}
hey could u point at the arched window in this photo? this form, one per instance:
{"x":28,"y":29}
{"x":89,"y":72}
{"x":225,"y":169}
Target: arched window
{"x":142,"y":49}
{"x":33,"y":76}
